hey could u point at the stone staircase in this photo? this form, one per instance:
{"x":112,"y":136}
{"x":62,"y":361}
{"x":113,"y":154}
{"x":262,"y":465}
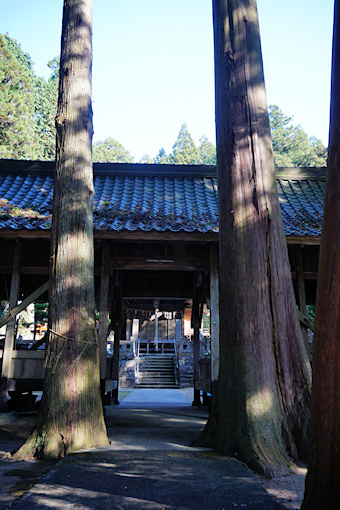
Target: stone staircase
{"x":157,"y":371}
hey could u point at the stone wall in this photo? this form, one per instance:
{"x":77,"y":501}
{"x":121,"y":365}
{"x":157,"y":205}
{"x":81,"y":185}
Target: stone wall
{"x":126,"y":367}
{"x":185,"y":363}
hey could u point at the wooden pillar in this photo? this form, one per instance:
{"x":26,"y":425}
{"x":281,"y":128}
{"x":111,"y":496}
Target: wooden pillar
{"x":214,"y":319}
{"x":156,"y":324}
{"x":135,"y":334}
{"x":301,"y":293}
{"x":10,"y":329}
{"x":116,"y":317}
{"x":103,"y":313}
{"x":196,"y":338}
{"x":118,"y":327}
{"x":195,"y":324}
{"x":178,"y":334}
{"x":123,"y":329}
{"x":128,"y":329}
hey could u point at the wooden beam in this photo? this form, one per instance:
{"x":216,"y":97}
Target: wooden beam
{"x":301,"y":293}
{"x":26,"y":270}
{"x":156,"y":264}
{"x":310,"y":241}
{"x":104,"y":308}
{"x":196,"y":339}
{"x":116,"y":318}
{"x":214,"y":319}
{"x":157,"y":294}
{"x":157,"y":236}
{"x":294,"y":173}
{"x":156,"y":305}
{"x":307,"y":275}
{"x":24,"y":304}
{"x":148,"y":236}
{"x":122,"y":235}
{"x":10,"y":330}
{"x":26,"y":234}
{"x":196,"y":318}
{"x":306,"y":320}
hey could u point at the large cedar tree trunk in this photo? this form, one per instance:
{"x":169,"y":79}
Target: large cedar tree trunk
{"x":323,"y":477}
{"x":71,"y":415}
{"x":262,"y":409}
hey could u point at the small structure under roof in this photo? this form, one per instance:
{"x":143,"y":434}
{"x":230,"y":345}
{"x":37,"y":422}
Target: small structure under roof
{"x":156,"y":241}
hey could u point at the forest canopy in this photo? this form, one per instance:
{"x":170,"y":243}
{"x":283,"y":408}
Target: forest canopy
{"x":28,"y":106}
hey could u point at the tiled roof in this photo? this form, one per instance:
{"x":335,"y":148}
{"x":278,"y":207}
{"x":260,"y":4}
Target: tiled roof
{"x":132,"y":197}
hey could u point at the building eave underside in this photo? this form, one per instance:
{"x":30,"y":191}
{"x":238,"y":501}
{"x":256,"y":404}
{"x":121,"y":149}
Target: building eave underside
{"x":145,"y":236}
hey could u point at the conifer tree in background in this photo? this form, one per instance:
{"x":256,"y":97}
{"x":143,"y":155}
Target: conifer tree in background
{"x":184,"y":150}
{"x":146,"y":159}
{"x":28,"y":105}
{"x":291,"y":145}
{"x":161,"y":158}
{"x":31,"y":135}
{"x":46,"y":94}
{"x":206,"y":152}
{"x":111,"y":151}
{"x":17,"y":137}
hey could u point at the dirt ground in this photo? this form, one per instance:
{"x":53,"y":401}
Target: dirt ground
{"x":287,"y":490}
{"x":18,"y":476}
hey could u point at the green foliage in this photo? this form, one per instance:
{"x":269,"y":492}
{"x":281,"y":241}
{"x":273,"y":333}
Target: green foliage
{"x":311,"y":312}
{"x":206,"y":321}
{"x":162,"y":158}
{"x":111,"y":151}
{"x":46,"y":95}
{"x":184,"y":150}
{"x":146,"y":159}
{"x":206,"y":152}
{"x":16,"y":101}
{"x":291,"y":145}
{"x":28,"y":105}
{"x":41,"y":312}
{"x":3,"y":307}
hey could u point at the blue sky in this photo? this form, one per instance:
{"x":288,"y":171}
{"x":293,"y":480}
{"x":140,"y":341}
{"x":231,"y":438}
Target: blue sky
{"x":153,"y":63}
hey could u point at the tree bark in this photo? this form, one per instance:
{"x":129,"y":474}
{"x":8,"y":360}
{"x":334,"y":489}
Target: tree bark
{"x":261,"y":413}
{"x":71,"y":414}
{"x":322,"y":483}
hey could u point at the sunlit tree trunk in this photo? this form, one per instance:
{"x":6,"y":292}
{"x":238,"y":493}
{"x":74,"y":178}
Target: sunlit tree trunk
{"x":71,"y":415}
{"x":261,"y":413}
{"x":323,"y":477}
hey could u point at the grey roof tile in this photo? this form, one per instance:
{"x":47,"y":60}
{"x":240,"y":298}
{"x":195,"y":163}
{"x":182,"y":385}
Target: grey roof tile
{"x":151,"y":198}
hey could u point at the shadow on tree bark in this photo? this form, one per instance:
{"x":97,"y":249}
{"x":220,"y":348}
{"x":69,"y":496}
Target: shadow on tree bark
{"x":71,"y":415}
{"x":261,"y":413}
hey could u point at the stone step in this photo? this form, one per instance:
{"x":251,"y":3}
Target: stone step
{"x":157,"y":377}
{"x":156,"y":367}
{"x":157,"y":359}
{"x":156,"y":385}
{"x":165,"y":365}
{"x":156,"y":371}
{"x":169,"y":370}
